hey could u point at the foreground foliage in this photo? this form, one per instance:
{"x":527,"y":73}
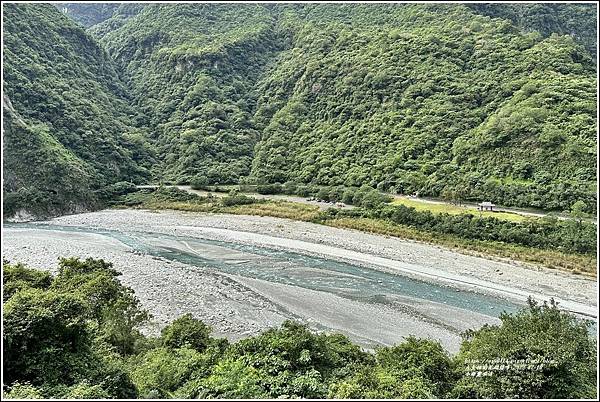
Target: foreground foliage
{"x":76,"y":335}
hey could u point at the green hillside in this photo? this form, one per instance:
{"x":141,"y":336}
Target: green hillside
{"x":409,"y":98}
{"x":361,"y":94}
{"x":577,"y":20}
{"x":40,"y":174}
{"x":193,"y":70}
{"x":88,"y":14}
{"x":68,"y":134}
{"x":387,"y":97}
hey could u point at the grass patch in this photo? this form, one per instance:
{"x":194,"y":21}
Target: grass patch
{"x":180,"y":206}
{"x":456,"y":210}
{"x":241,"y":205}
{"x":576,"y":263}
{"x":238,"y":204}
{"x":278,"y":209}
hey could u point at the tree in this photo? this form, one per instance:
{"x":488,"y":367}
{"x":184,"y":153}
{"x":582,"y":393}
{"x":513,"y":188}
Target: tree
{"x":323,"y":194}
{"x":53,"y":348}
{"x":290,"y":187}
{"x":383,"y":383}
{"x":425,"y":356}
{"x":22,"y":391}
{"x":290,"y":361}
{"x":232,"y":378}
{"x":186,"y":331}
{"x":453,"y":194}
{"x":558,"y":344}
{"x":578,"y":211}
{"x":85,"y":390}
{"x":161,"y":371}
{"x":55,"y":337}
{"x":199,"y":182}
{"x":17,"y":277}
{"x":46,"y":337}
{"x":113,"y":306}
{"x":348,"y":195}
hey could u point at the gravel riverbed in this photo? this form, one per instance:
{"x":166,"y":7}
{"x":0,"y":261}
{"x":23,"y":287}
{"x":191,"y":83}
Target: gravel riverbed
{"x":237,"y":306}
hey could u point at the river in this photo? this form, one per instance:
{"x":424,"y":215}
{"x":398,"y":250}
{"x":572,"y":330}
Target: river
{"x":241,"y":288}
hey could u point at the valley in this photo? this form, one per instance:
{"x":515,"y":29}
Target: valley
{"x":244,"y":274}
{"x":299,"y":200}
{"x":311,"y":94}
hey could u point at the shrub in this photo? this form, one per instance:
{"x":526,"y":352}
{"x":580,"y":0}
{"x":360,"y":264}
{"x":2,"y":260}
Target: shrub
{"x":303,"y":191}
{"x":120,"y":188}
{"x":269,"y":189}
{"x":174,"y":194}
{"x":199,"y":182}
{"x":18,"y":277}
{"x":23,"y":391}
{"x":323,"y":194}
{"x":290,"y":187}
{"x":559,"y":343}
{"x":186,"y":331}
{"x":348,"y":195}
{"x":237,"y":199}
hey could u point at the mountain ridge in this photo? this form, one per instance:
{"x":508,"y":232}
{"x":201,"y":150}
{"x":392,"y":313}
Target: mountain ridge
{"x":357,"y":95}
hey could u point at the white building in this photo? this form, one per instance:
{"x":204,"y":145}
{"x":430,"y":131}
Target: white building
{"x":486,"y":206}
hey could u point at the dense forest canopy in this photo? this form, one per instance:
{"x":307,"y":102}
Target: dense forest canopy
{"x":193,"y":70}
{"x":577,"y":20}
{"x":68,"y":134}
{"x":467,"y":103}
{"x":497,"y":102}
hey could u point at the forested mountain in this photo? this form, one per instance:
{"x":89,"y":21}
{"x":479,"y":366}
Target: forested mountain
{"x":68,"y":134}
{"x":88,"y":14}
{"x":193,"y":70}
{"x":577,"y":20}
{"x":403,"y":97}
{"x":418,"y":98}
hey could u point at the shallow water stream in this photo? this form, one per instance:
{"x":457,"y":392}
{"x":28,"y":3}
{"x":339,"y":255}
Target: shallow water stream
{"x":242,"y":283}
{"x":340,"y":278}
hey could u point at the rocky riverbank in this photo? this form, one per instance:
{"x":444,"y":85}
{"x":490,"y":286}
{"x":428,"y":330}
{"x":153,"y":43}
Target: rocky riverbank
{"x":237,"y":306}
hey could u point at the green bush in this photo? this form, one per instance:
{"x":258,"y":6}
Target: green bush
{"x":323,"y":194}
{"x":55,"y":346}
{"x":565,"y":235}
{"x":348,"y":195}
{"x":266,"y":189}
{"x":199,"y":182}
{"x":237,"y":199}
{"x":562,"y":353}
{"x":186,"y":331}
{"x":23,"y":391}
{"x":304,"y":191}
{"x":18,"y":277}
{"x":290,"y":187}
{"x":174,"y":194}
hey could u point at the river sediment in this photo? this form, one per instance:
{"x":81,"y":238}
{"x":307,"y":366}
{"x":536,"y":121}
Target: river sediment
{"x":243,"y":274}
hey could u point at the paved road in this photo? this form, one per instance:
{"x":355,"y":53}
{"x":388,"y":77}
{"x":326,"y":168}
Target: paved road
{"x":325,"y":205}
{"x":523,"y":212}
